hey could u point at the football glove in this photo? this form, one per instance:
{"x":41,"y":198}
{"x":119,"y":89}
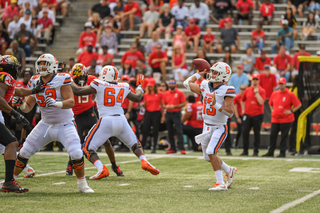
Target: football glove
{"x":53,"y":103}
{"x":19,"y":117}
{"x":38,"y":88}
{"x":17,"y":100}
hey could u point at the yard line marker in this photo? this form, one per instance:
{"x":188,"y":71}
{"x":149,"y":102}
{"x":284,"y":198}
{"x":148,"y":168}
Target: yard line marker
{"x":295,"y":202}
{"x":59,"y":183}
{"x":254,"y":188}
{"x":188,"y":186}
{"x":124,"y":184}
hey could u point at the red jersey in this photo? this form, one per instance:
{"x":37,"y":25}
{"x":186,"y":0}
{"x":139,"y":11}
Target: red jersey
{"x":244,"y":6}
{"x":260,"y":64}
{"x":103,"y":58}
{"x":86,"y":57}
{"x":134,"y":5}
{"x":86,"y":38}
{"x":295,"y":62}
{"x":84,"y":102}
{"x":21,"y":84}
{"x":208,"y":38}
{"x":174,"y":98}
{"x":222,"y":24}
{"x":4,"y":3}
{"x":196,"y":120}
{"x":256,"y":36}
{"x":281,"y":101}
{"x":133,"y":57}
{"x":45,"y":22}
{"x":155,"y":55}
{"x":267,"y":9}
{"x":153,"y":101}
{"x":8,"y":80}
{"x":268,"y":83}
{"x":282,"y":63}
{"x":252,"y":107}
{"x":237,"y":101}
{"x":191,"y":32}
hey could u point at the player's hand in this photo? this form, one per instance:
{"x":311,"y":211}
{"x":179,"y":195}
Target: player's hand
{"x":203,"y":72}
{"x":139,"y":87}
{"x":214,"y":98}
{"x":239,"y":121}
{"x":51,"y":102}
{"x":256,"y":90}
{"x":17,"y":100}
{"x":162,"y":119}
{"x":140,"y":80}
{"x":287,"y":112}
{"x":19,"y":117}
{"x":127,"y":115}
{"x":38,"y":88}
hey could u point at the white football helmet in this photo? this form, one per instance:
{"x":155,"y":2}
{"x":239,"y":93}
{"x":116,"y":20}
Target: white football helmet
{"x":51,"y":65}
{"x":223,"y":75}
{"x":109,"y":74}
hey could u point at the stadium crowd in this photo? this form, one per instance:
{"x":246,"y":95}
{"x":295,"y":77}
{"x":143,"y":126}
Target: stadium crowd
{"x":172,"y":29}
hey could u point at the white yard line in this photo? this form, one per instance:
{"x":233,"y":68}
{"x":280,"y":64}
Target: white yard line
{"x":295,"y":202}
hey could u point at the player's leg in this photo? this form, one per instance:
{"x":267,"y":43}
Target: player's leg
{"x":156,"y":124}
{"x":130,"y":140}
{"x":284,"y":128}
{"x":247,"y":124}
{"x":109,"y":150}
{"x":68,"y":136}
{"x":147,"y":121}
{"x":96,"y":137}
{"x":257,"y":122}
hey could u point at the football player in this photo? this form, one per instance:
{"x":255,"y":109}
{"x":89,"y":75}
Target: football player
{"x":112,"y":122}
{"x":9,"y":67}
{"x":57,"y":122}
{"x":217,"y":108}
{"x":85,"y":117}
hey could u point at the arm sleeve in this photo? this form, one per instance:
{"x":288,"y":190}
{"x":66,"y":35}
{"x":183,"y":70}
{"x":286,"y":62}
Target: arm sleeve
{"x":295,"y":100}
{"x":271,"y":99}
{"x":94,"y":84}
{"x":230,"y":92}
{"x":263,"y":94}
{"x":182,"y":97}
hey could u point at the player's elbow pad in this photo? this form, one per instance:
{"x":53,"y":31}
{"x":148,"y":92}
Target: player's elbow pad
{"x":186,"y":83}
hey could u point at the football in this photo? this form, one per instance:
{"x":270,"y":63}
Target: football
{"x":201,"y":64}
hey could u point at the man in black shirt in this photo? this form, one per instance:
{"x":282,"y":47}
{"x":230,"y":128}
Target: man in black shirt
{"x":26,"y":39}
{"x":101,"y":8}
{"x":219,"y":8}
{"x":4,"y":40}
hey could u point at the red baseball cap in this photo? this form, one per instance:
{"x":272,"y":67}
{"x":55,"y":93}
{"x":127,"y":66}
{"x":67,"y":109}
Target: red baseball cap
{"x":282,"y":80}
{"x":151,"y":82}
{"x":192,"y":20}
{"x":125,"y":77}
{"x":228,"y":19}
{"x":255,"y":76}
{"x":127,"y":61}
{"x":240,"y":66}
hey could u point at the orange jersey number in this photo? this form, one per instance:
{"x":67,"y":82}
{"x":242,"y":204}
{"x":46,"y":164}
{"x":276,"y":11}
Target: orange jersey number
{"x":212,"y":110}
{"x":110,"y":99}
{"x":50,"y":93}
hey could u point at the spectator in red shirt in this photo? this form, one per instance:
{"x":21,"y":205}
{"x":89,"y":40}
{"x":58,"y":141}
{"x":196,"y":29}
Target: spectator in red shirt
{"x":244,"y":8}
{"x":283,"y":104}
{"x":158,"y":60}
{"x":178,"y":63}
{"x":133,"y":55}
{"x":47,"y":25}
{"x":282,"y":62}
{"x":86,"y":37}
{"x":154,"y":114}
{"x":105,"y":58}
{"x":238,"y":112}
{"x":208,"y":40}
{"x":86,"y":56}
{"x":295,"y":61}
{"x":9,"y":12}
{"x":193,"y":34}
{"x":173,"y":101}
{"x":131,"y":15}
{"x":193,"y":121}
{"x":257,"y":38}
{"x":262,"y":61}
{"x":266,"y":14}
{"x":268,"y":82}
{"x":252,"y":104}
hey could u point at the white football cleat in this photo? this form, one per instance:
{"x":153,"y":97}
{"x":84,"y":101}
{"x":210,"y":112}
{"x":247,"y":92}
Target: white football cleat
{"x":1,"y":183}
{"x":83,"y":186}
{"x":230,"y":176}
{"x":219,"y":187}
{"x":29,"y":172}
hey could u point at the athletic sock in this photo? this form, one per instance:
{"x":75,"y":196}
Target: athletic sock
{"x":98,"y":165}
{"x":9,"y":170}
{"x":114,"y":165}
{"x":142,"y":157}
{"x":226,"y":168}
{"x":219,"y":176}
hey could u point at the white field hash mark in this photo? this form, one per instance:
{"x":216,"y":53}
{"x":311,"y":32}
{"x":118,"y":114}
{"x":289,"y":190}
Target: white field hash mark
{"x":295,"y":202}
{"x":59,"y":183}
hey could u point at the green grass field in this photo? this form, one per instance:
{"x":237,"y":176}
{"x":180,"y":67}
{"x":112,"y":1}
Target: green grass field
{"x":260,"y":185}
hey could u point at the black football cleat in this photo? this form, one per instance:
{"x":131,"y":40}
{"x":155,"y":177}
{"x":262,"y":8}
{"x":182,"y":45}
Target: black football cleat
{"x":13,"y":186}
{"x":118,"y":171}
{"x":69,"y":169}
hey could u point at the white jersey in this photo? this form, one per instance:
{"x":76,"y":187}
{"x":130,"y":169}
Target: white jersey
{"x":211,"y":116}
{"x":110,"y":96}
{"x":52,"y":115}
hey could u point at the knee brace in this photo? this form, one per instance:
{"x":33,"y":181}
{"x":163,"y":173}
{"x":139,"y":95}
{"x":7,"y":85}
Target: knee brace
{"x":78,"y":164}
{"x":136,"y":146}
{"x":76,"y":154}
{"x":21,"y":162}
{"x":89,"y":154}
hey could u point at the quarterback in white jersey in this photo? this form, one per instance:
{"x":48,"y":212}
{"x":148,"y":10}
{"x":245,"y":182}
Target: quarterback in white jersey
{"x":57,"y":122}
{"x":112,"y":122}
{"x":217,"y":107}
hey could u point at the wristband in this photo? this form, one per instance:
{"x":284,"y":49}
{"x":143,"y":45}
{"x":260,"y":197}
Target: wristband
{"x":23,"y":106}
{"x":59,"y":104}
{"x":292,"y":111}
{"x":197,"y":75}
{"x":217,"y":106}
